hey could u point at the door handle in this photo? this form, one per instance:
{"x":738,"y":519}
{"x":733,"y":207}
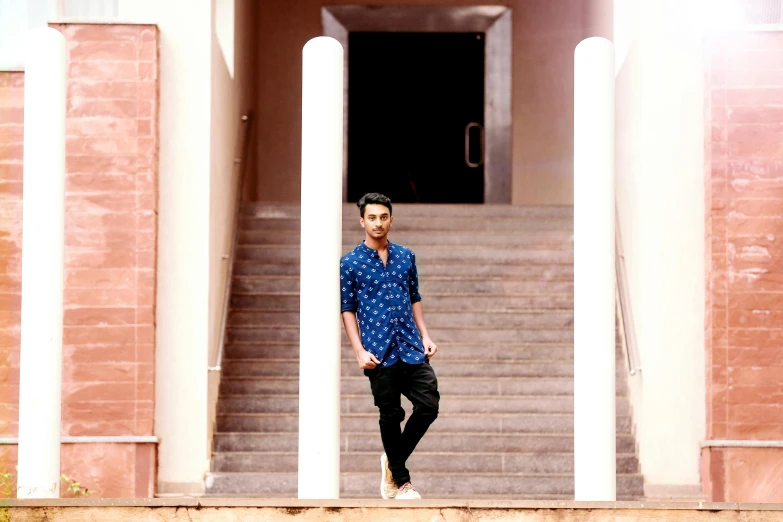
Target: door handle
{"x":467,"y":145}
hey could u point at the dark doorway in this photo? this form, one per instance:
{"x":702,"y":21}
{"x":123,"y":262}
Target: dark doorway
{"x":416,"y":116}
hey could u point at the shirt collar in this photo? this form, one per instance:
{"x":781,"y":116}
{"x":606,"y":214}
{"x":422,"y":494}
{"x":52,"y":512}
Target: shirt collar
{"x":371,"y":251}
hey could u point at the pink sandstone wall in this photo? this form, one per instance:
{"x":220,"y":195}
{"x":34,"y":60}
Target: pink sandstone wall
{"x":744,"y":118}
{"x":110,"y":254}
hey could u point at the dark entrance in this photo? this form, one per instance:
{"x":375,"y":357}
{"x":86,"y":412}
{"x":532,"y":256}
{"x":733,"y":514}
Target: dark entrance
{"x":416,"y":116}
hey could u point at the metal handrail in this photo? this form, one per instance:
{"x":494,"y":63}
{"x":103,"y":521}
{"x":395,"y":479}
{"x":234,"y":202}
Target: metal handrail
{"x":629,"y":333}
{"x":247,"y":120}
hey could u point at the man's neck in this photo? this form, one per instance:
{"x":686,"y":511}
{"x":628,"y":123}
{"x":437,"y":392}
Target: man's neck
{"x":376,"y":244}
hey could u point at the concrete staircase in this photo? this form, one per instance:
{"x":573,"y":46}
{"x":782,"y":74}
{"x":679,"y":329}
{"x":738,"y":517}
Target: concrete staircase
{"x":497,"y":281}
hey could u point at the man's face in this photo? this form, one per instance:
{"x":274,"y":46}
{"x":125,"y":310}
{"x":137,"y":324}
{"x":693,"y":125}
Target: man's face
{"x":376,"y":220}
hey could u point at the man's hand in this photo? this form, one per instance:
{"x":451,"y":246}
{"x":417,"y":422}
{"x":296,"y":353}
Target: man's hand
{"x":430,"y":348}
{"x":367,"y":361}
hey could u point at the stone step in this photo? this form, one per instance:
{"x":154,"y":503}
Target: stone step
{"x":455,"y":302}
{"x":476,"y":386}
{"x":506,"y":423}
{"x":402,"y":211}
{"x":499,"y":335}
{"x":352,"y":229}
{"x":435,"y":319}
{"x":536,"y":239}
{"x":363,"y":403}
{"x":353,"y":234}
{"x":273,"y":284}
{"x":444,"y":368}
{"x":430,"y":485}
{"x":448,"y":423}
{"x":451,"y":351}
{"x":432,"y":442}
{"x":442,"y":336}
{"x":454,"y":485}
{"x":431,"y":254}
{"x":368,"y":462}
{"x":454,"y":267}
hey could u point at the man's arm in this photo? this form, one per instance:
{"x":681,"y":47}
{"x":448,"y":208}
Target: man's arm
{"x":367,"y":361}
{"x":350,"y":302}
{"x":430,"y":348}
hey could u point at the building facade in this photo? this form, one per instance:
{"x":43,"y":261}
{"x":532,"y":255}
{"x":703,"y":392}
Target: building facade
{"x":156,"y":95}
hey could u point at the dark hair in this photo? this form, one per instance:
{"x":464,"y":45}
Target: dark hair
{"x":373,"y":198}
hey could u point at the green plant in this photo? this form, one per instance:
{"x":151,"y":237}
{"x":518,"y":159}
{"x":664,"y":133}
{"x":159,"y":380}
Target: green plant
{"x":70,"y":488}
{"x":73,"y":488}
{"x":6,"y":492}
{"x":6,"y":484}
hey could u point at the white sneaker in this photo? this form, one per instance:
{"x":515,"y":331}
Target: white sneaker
{"x":388,"y":486}
{"x":406,"y":492}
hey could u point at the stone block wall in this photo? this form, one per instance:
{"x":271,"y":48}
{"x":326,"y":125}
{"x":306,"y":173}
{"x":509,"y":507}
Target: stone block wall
{"x":110,"y":255}
{"x":744,"y":150}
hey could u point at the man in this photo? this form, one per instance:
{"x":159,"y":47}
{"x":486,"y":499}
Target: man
{"x":382,"y":314}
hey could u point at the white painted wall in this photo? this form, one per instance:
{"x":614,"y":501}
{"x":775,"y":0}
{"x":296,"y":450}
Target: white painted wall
{"x":200,"y":107}
{"x":201,"y":100}
{"x":181,"y":354}
{"x":232,"y":96}
{"x":660,"y":195}
{"x":192,"y":155}
{"x":13,"y":26}
{"x":206,"y":84}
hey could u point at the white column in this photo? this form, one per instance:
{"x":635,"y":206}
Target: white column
{"x":319,"y":309}
{"x":43,"y":236}
{"x":594,"y":275}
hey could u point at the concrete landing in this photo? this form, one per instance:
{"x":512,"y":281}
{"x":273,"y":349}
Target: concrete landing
{"x":287,"y":510}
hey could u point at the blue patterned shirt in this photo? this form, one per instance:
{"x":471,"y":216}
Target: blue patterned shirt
{"x":382,"y":297}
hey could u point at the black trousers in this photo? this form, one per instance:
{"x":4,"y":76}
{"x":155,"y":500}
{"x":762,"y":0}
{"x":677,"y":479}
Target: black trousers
{"x":419,"y":384}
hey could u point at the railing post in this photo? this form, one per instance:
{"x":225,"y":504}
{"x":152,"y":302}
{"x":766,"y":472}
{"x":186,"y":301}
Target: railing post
{"x":594,"y":272}
{"x":319,"y":309}
{"x":43,"y":243}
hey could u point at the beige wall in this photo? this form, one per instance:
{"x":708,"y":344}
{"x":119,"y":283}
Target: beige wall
{"x":599,"y":18}
{"x":660,"y":197}
{"x":200,"y":107}
{"x":231,"y":97}
{"x":545,"y":35}
{"x":183,"y":245}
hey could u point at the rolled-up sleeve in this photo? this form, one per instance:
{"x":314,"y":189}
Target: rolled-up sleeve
{"x":348,"y":300}
{"x":413,"y":281}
